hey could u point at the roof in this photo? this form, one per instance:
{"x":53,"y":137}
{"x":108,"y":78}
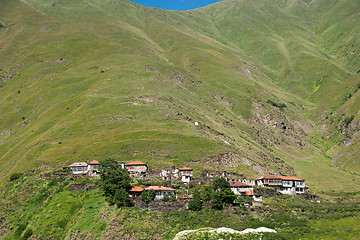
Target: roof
{"x":94,"y":162}
{"x":238,"y":184}
{"x":159,"y":188}
{"x":136,"y":189}
{"x":119,"y":162}
{"x":185,"y":169}
{"x":135,"y":163}
{"x":281,"y":177}
{"x":79,"y":164}
{"x":291,"y":178}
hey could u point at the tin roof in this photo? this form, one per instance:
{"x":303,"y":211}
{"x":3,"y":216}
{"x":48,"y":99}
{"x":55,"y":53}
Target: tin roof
{"x":238,"y":184}
{"x":185,"y":169}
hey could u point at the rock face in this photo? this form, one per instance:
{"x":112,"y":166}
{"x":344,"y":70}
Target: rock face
{"x":275,"y":128}
{"x":2,"y":26}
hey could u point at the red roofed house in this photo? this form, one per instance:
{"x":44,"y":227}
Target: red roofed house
{"x":79,"y":168}
{"x":135,"y":191}
{"x":284,"y":184}
{"x":240,"y":188}
{"x":94,"y":168}
{"x":136,"y":168}
{"x":186,"y":174}
{"x":161,"y":191}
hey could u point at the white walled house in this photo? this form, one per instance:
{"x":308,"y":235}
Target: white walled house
{"x":186,"y":174}
{"x":79,"y":168}
{"x":94,"y":168}
{"x":284,"y":184}
{"x":240,"y":188}
{"x":161,"y":191}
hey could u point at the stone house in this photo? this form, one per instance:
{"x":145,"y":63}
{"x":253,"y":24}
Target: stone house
{"x":137,"y":169}
{"x":186,"y":174}
{"x":135,"y":191}
{"x":94,"y":168}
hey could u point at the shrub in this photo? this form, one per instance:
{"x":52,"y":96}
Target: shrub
{"x":122,"y":199}
{"x":195,"y":204}
{"x":148,"y":196}
{"x":166,"y":197}
{"x":15,"y":176}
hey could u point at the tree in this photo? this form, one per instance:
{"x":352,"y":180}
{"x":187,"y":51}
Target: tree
{"x":114,"y":178}
{"x":206,"y":194}
{"x":122,"y":199}
{"x":195,"y":204}
{"x":227,"y":196}
{"x":216,"y":201}
{"x":220,"y":183}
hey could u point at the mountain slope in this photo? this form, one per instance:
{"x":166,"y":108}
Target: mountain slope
{"x":88,"y":79}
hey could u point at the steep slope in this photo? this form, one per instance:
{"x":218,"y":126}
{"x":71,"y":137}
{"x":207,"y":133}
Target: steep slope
{"x":88,"y":79}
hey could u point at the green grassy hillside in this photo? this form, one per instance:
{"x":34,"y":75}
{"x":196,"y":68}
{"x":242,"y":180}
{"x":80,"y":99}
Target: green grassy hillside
{"x":81,"y":80}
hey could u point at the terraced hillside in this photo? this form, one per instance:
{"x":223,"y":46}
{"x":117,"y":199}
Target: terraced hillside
{"x":272,"y":84}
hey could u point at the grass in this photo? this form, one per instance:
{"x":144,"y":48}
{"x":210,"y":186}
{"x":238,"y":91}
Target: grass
{"x":94,"y":79}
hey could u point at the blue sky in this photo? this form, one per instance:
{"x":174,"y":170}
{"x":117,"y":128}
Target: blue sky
{"x":175,"y":4}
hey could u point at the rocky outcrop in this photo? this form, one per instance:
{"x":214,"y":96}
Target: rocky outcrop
{"x":273,"y":127}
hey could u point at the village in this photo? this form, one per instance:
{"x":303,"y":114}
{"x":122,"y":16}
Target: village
{"x":240,"y":186}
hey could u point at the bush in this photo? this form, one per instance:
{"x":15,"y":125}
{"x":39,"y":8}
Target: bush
{"x":166,"y":197}
{"x":148,"y":196}
{"x":15,"y":176}
{"x":278,"y":105}
{"x":195,"y":204}
{"x":122,"y":199}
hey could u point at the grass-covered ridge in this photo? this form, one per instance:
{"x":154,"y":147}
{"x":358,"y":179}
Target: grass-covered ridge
{"x":81,"y":80}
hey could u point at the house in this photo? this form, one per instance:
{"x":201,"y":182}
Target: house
{"x":186,"y":174}
{"x":161,"y":191}
{"x":135,"y":191}
{"x":170,"y":174}
{"x":240,"y":188}
{"x":79,"y":168}
{"x":284,"y":184}
{"x":94,"y":168}
{"x":292,"y":185}
{"x":121,"y":164}
{"x":136,"y":169}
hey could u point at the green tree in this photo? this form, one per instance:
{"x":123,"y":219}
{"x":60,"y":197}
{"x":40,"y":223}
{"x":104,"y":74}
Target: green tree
{"x":195,"y":204}
{"x":206,"y":194}
{"x":113,"y":179}
{"x":122,"y":199}
{"x":227,"y":196}
{"x":220,"y":183}
{"x":216,"y":201}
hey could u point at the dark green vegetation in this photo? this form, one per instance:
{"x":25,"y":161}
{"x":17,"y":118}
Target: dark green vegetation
{"x":115,"y":182}
{"x":47,"y":208}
